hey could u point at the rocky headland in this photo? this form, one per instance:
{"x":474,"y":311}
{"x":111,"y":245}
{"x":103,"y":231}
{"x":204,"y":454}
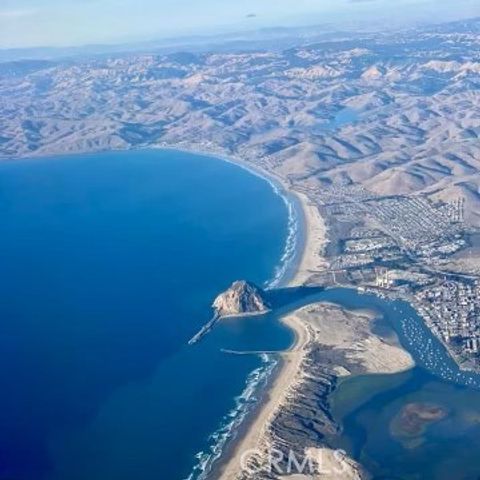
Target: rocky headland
{"x":242,"y":298}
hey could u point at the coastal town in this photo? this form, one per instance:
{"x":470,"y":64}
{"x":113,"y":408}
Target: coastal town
{"x":452,"y":310}
{"x":405,"y":247}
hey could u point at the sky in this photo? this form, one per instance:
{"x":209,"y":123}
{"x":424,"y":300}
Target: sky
{"x":31,"y":23}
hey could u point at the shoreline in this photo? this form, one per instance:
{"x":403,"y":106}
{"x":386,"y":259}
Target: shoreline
{"x":299,"y":215}
{"x":272,"y":397}
{"x":296,"y":368}
{"x":302,"y":256}
{"x":302,"y":259}
{"x":310,"y":227}
{"x":303,"y":217}
{"x":304,"y":247}
{"x":306,"y":238}
{"x":310,"y":240}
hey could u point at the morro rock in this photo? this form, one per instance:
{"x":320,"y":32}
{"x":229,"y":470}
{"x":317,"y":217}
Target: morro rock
{"x":242,"y":298}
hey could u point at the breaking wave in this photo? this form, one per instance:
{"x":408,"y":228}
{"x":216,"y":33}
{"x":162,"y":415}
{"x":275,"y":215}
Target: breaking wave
{"x":260,"y":376}
{"x":230,"y":423}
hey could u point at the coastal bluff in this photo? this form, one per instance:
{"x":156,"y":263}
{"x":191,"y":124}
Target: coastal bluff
{"x":242,"y":298}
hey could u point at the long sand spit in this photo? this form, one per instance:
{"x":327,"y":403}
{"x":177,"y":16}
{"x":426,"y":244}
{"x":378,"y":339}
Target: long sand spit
{"x":348,"y":332}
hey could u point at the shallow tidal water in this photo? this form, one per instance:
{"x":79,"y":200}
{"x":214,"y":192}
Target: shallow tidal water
{"x":386,"y":421}
{"x":378,"y":427}
{"x":387,"y":424}
{"x":370,"y":410}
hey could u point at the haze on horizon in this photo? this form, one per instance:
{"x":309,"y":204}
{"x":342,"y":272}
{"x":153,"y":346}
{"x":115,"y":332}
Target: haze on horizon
{"x":35,"y":23}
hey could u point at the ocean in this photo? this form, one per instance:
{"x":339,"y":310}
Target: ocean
{"x":109,"y":265}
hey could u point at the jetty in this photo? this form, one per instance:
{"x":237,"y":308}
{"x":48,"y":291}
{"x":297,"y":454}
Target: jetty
{"x":252,"y":352}
{"x":204,"y":330}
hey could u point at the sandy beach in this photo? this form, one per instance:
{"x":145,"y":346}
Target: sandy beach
{"x":286,"y":377}
{"x":322,"y":324}
{"x":315,"y":240}
{"x":342,"y":334}
{"x":314,"y":226}
{"x":311,"y":260}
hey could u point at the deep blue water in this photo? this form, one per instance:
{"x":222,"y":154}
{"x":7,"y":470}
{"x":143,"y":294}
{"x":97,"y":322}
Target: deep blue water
{"x":109,"y":264}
